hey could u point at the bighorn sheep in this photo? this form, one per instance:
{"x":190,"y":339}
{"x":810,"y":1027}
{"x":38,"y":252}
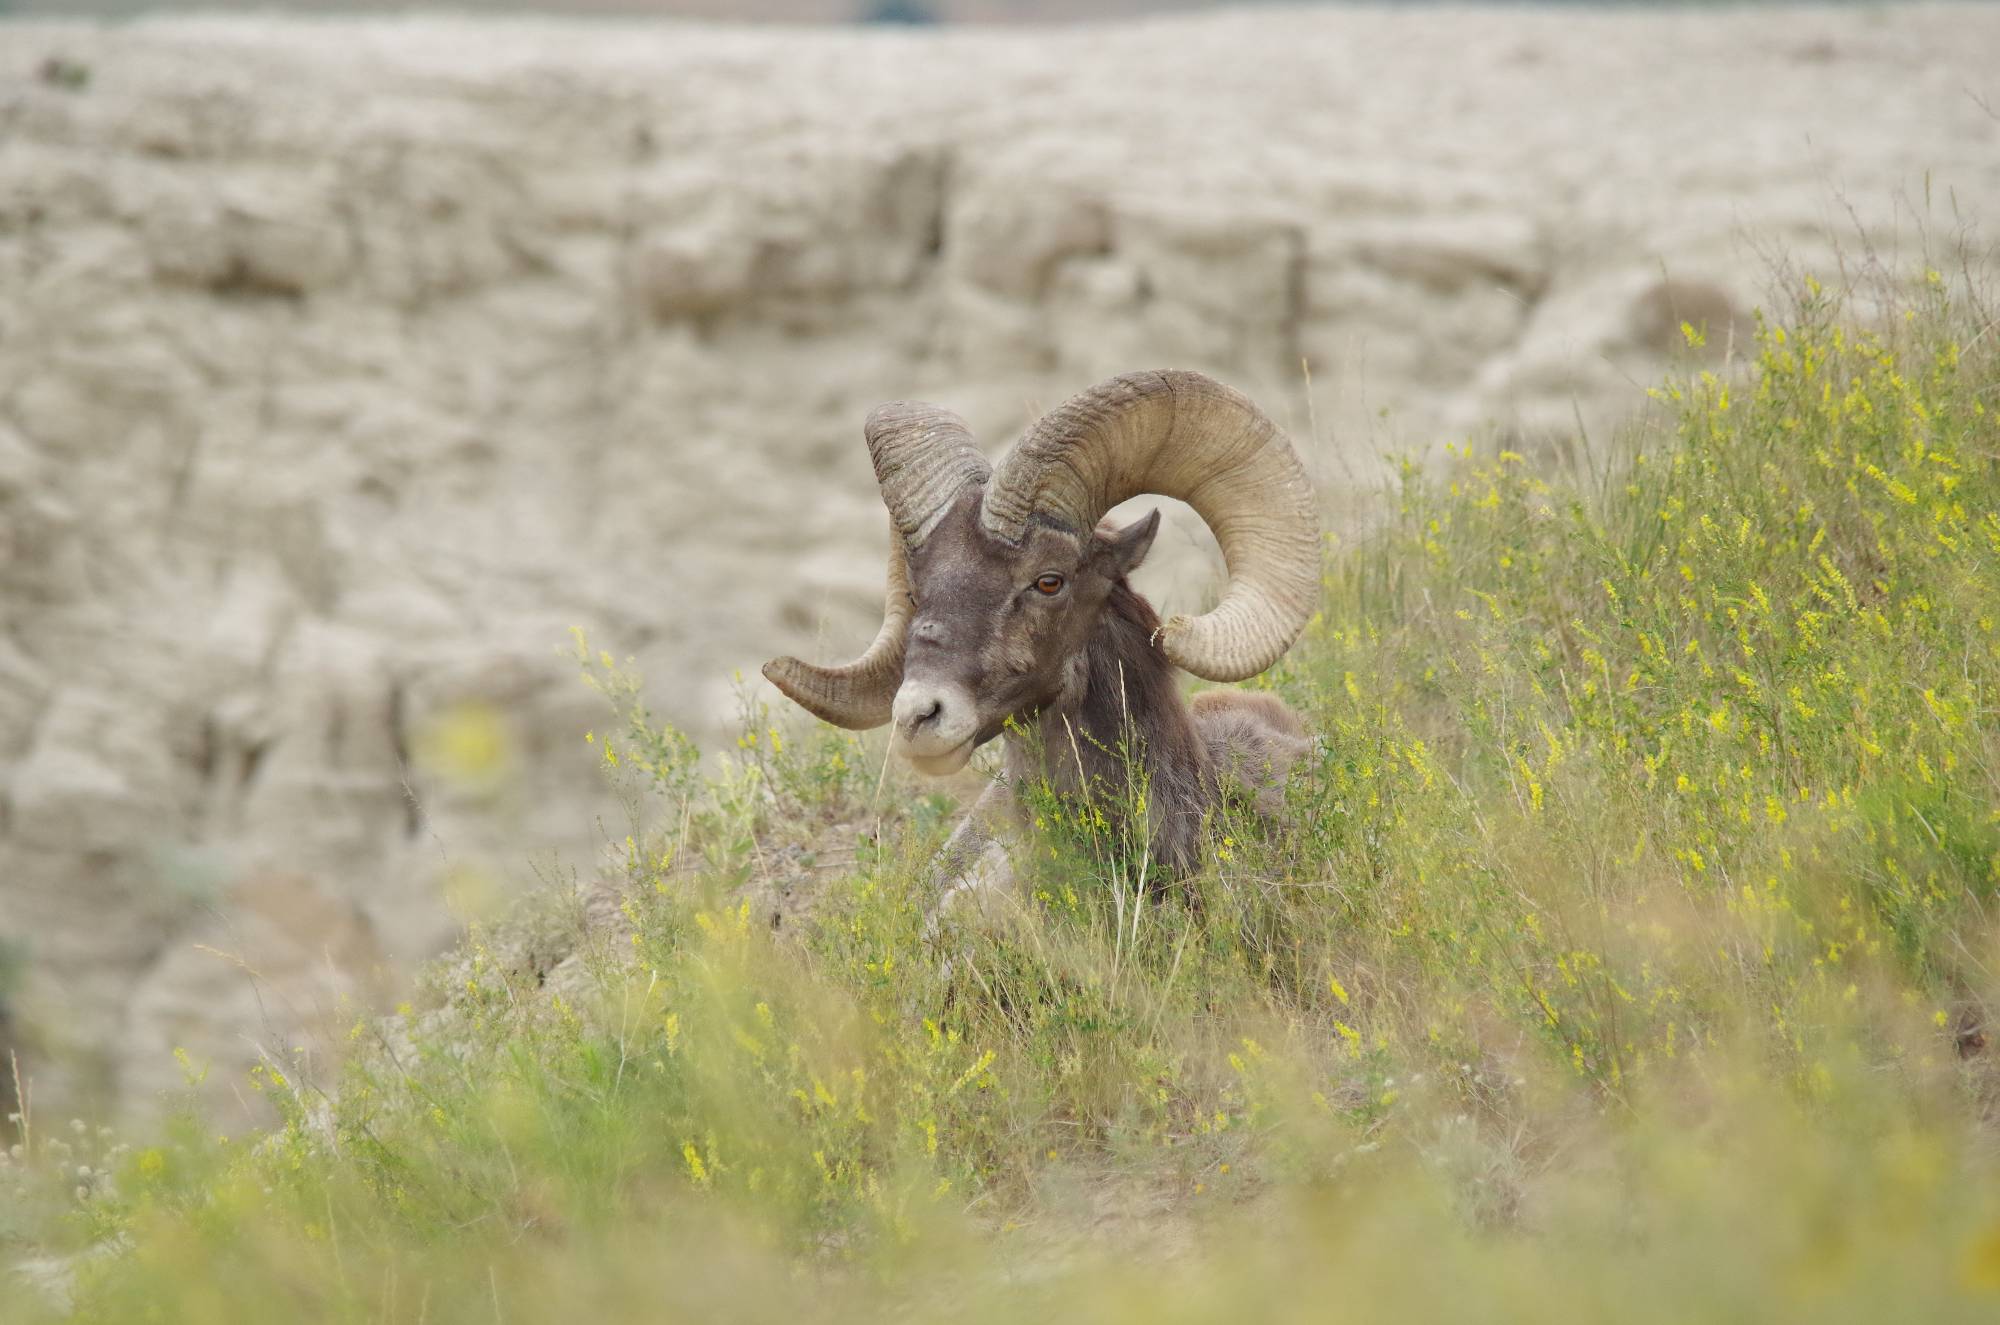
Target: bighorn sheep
{"x":1008,"y":608}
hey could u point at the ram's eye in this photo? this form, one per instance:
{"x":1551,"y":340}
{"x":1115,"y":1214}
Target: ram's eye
{"x":1049,"y":584}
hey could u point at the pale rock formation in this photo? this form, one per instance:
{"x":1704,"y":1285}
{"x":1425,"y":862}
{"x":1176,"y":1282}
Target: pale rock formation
{"x":345,"y":366}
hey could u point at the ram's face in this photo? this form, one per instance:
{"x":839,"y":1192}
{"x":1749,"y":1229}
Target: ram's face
{"x":1000,"y":630}
{"x":997,"y":578}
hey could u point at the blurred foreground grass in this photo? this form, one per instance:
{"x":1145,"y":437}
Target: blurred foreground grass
{"x":1627,"y":948}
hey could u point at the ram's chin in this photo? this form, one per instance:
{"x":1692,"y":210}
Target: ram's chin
{"x":942,"y":764}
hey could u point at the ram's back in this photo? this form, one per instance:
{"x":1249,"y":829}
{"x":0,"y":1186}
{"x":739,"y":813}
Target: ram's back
{"x":1253,"y":741}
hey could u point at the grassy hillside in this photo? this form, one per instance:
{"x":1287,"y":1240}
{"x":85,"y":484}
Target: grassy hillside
{"x":1626,"y":948}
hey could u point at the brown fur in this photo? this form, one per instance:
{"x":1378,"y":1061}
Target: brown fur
{"x":1078,"y":682}
{"x":1129,"y":703}
{"x":1253,"y":741}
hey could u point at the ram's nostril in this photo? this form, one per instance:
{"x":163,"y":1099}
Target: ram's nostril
{"x":933,"y":718}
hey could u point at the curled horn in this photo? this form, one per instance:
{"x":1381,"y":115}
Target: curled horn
{"x":924,"y":458}
{"x":857,"y":695}
{"x":1187,"y":436}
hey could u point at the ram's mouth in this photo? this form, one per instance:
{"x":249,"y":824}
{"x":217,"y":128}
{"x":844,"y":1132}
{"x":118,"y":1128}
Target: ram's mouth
{"x":942,"y":763}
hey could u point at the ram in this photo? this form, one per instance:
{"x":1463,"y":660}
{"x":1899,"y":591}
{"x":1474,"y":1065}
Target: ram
{"x":1009,"y":611}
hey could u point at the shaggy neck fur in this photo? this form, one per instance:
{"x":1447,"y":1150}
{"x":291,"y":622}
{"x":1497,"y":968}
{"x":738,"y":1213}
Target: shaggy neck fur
{"x":1123,"y":698}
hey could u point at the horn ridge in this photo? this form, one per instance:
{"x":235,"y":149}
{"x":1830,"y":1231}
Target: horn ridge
{"x":857,"y":695}
{"x":924,"y":457}
{"x":1184,"y":435}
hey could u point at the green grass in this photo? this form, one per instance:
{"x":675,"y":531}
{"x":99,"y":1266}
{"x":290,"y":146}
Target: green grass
{"x":1627,"y":947}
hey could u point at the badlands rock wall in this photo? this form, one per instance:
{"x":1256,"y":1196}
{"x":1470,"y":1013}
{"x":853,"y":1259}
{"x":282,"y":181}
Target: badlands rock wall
{"x":345,"y":367}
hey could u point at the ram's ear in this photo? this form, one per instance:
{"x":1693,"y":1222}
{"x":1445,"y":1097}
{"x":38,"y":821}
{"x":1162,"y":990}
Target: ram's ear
{"x":1118,"y":552}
